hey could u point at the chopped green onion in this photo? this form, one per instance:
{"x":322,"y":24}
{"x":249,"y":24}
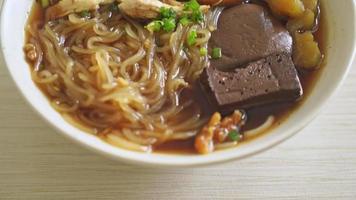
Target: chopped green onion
{"x":216,"y":53}
{"x":85,"y":13}
{"x":197,"y":16}
{"x":191,"y":5}
{"x":168,"y":19}
{"x":203,"y":51}
{"x":193,"y":8}
{"x":154,"y":26}
{"x":169,"y":24}
{"x":114,"y":7}
{"x":185,"y":21}
{"x":167,"y":13}
{"x":234,"y":135}
{"x":192,"y":37}
{"x":44,"y":3}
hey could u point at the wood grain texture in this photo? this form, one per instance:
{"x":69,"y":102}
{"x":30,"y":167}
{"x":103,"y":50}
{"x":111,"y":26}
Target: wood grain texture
{"x":37,"y":163}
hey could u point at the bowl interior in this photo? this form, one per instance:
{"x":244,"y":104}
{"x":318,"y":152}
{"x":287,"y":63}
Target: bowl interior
{"x":340,"y":18}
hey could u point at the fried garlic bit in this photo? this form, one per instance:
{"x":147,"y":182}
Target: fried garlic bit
{"x":217,"y":131}
{"x":31,"y":53}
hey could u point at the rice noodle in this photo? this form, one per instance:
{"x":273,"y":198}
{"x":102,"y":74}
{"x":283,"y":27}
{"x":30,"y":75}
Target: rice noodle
{"x":124,"y":143}
{"x":109,"y":74}
{"x":213,"y":17}
{"x":261,"y":129}
{"x":225,"y":145}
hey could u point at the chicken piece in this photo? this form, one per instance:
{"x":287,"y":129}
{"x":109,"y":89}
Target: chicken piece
{"x":149,"y":9}
{"x":173,"y":2}
{"x":66,"y":7}
{"x":144,"y":8}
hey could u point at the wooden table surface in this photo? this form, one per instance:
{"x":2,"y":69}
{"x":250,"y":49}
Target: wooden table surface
{"x":318,"y":163}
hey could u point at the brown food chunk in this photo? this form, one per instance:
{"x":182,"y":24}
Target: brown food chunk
{"x":217,"y":130}
{"x":305,"y":22}
{"x":311,"y":4}
{"x":248,"y":33}
{"x":306,"y":52}
{"x":289,"y":8}
{"x":268,"y":80}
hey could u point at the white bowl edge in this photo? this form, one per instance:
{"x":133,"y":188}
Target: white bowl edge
{"x":39,"y":102}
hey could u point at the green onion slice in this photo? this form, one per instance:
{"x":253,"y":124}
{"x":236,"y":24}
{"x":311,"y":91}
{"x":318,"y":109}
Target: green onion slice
{"x":216,"y":53}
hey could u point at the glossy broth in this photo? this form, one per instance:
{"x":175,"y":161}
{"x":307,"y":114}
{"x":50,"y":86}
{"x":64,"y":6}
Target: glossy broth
{"x":256,"y":116}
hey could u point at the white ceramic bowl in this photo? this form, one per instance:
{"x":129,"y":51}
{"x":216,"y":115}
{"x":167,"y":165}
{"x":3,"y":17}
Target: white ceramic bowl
{"x":340,"y":17}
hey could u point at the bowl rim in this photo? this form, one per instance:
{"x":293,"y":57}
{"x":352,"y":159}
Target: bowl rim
{"x":188,"y":161}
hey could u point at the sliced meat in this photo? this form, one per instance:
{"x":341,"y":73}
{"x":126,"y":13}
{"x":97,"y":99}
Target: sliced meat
{"x":150,"y":9}
{"x":144,"y":8}
{"x":248,"y":33}
{"x":66,"y":7}
{"x":268,"y":80}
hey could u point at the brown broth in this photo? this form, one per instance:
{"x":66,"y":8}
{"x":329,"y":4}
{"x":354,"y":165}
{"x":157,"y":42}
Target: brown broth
{"x":256,"y":116}
{"x":281,"y":111}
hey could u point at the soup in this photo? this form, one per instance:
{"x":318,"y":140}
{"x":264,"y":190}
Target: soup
{"x":174,"y":76}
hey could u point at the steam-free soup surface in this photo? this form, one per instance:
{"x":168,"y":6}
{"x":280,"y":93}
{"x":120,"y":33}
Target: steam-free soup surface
{"x":156,"y":102}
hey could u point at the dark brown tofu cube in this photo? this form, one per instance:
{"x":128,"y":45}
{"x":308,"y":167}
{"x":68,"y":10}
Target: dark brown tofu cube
{"x":247,"y":33}
{"x":268,"y":80}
